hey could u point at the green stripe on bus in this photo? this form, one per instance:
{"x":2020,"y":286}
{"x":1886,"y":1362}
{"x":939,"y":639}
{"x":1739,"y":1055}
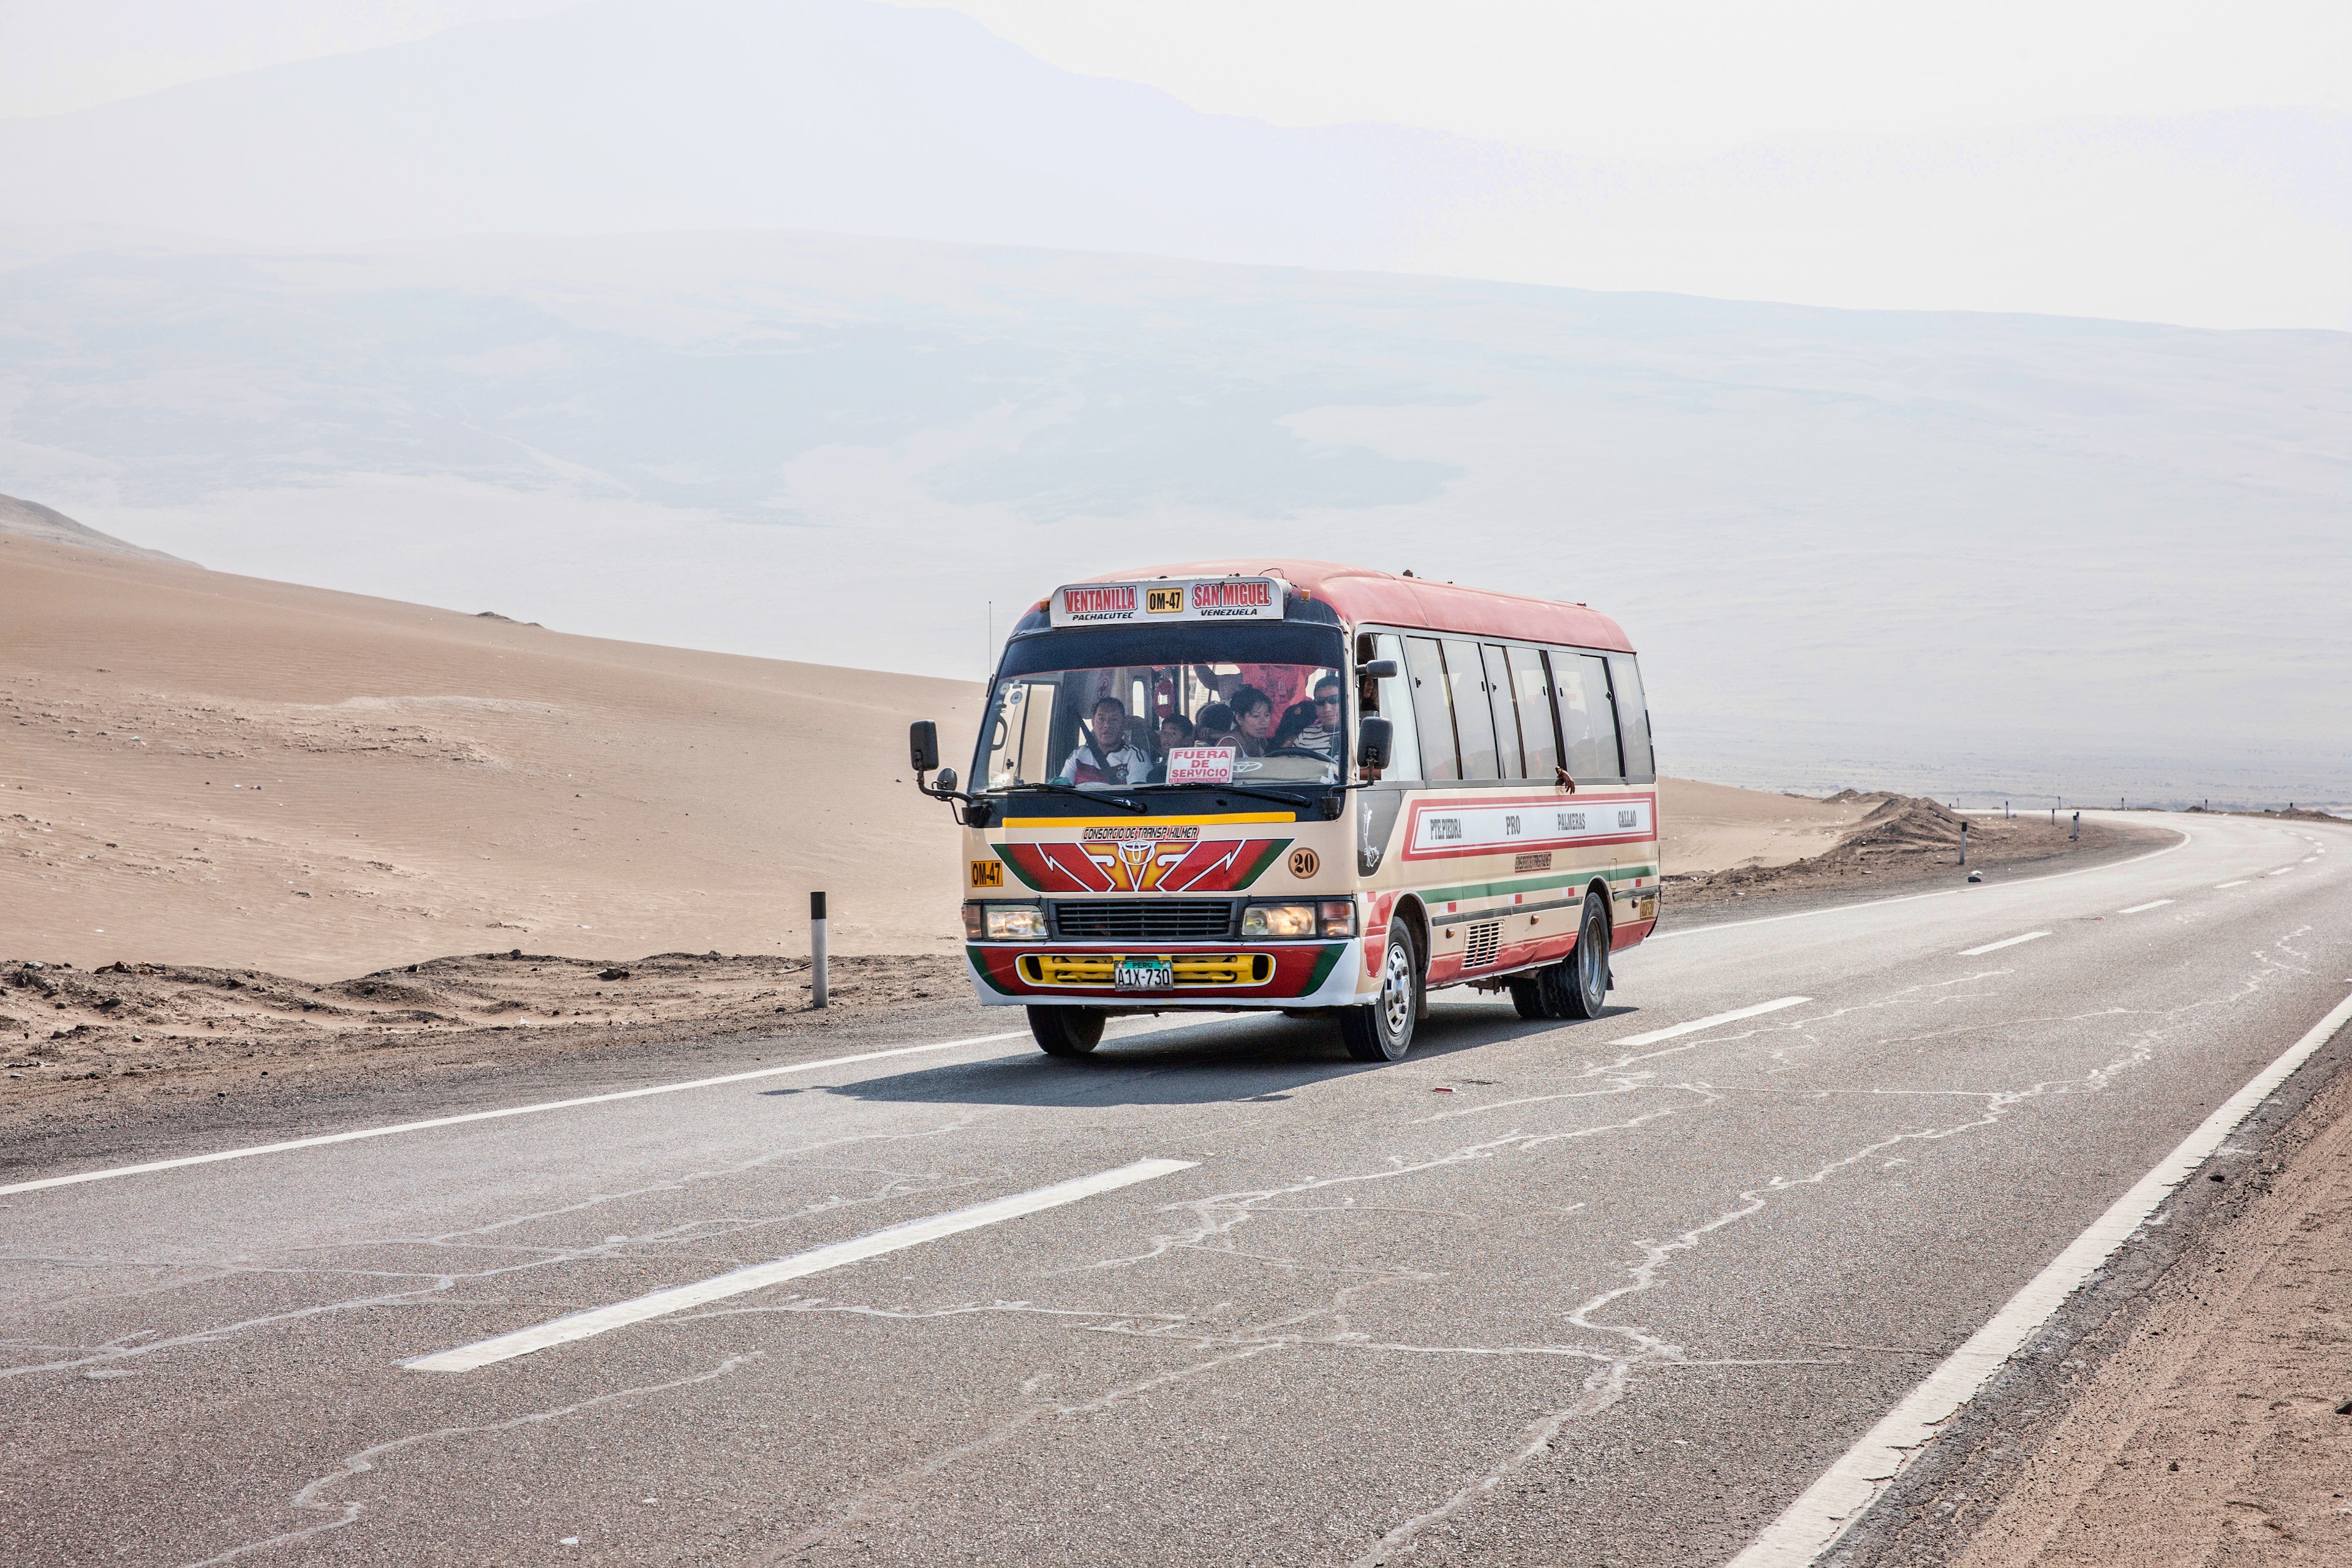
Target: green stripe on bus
{"x":1534,"y":884}
{"x":1323,"y":962}
{"x":980,"y":967}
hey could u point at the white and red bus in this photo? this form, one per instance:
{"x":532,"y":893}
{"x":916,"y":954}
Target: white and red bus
{"x":1299,"y":785}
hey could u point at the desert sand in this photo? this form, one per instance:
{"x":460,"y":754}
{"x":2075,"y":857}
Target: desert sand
{"x":206,"y":769}
{"x":220,"y":771}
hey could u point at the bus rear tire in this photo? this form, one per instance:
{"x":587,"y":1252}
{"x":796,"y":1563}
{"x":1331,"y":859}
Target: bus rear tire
{"x":1383,"y":1032}
{"x":1578,"y":985}
{"x":1528,"y":997}
{"x":1066,"y":1031}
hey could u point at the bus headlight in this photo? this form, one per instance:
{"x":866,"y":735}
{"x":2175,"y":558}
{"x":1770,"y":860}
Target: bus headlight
{"x":1005,"y":922}
{"x":1339,"y":917}
{"x":1278,"y":920}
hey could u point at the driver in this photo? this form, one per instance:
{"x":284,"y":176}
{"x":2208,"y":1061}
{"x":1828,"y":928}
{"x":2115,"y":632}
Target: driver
{"x":1106,"y":758}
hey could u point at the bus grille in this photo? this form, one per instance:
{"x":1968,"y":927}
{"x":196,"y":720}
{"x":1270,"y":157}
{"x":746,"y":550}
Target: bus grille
{"x":1144,"y":920}
{"x":1190,"y":968}
{"x":1485,"y":940}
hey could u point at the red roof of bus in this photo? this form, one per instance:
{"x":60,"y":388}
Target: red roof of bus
{"x":1360,"y":593}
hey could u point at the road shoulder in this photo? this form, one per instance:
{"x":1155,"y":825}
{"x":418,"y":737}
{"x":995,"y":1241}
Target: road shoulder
{"x":2185,"y":1406}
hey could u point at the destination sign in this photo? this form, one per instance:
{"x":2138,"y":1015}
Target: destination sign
{"x":1167,"y":599}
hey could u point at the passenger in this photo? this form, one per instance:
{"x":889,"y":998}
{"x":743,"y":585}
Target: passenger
{"x":1323,"y":734}
{"x":1175,"y":731}
{"x":1254,"y":721}
{"x":1289,"y":734}
{"x":1216,"y":726}
{"x":1106,"y":758}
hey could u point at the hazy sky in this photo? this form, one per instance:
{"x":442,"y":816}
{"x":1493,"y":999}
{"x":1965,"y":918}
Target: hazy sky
{"x":1667,"y":78}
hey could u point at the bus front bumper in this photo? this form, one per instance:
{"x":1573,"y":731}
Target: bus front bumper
{"x":1206,"y":974}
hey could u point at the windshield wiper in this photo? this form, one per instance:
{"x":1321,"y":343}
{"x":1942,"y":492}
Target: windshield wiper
{"x":1292,"y":801}
{"x":1087,"y":794}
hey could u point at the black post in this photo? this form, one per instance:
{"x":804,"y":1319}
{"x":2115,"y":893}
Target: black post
{"x":1964,"y":841}
{"x":2078,"y":826}
{"x":816,"y":950}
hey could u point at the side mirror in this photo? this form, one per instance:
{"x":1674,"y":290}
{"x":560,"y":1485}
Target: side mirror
{"x":1374,"y":738}
{"x":1379,"y":669}
{"x":923,"y":745}
{"x":946,"y":780}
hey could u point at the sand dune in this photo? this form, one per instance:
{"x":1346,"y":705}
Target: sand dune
{"x":206,"y":769}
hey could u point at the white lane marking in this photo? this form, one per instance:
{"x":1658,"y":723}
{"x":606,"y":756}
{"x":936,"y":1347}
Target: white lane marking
{"x":1809,"y":1526}
{"x":759,"y":1276}
{"x":1695,"y":1024}
{"x":2279,"y":872}
{"x":2138,"y":908}
{"x":357,"y":1134}
{"x":2186,"y":838}
{"x":2005,"y":942}
{"x":2239,"y":883}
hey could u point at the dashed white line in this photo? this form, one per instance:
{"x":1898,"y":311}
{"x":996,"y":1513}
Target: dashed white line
{"x":1695,"y":1024}
{"x":2005,"y":942}
{"x":1809,"y":1526}
{"x":2142,"y":909}
{"x":2239,"y":883}
{"x":2279,"y":872}
{"x":357,"y":1134}
{"x":759,"y":1276}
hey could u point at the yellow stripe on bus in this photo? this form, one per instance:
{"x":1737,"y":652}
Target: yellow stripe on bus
{"x":1148,"y":821}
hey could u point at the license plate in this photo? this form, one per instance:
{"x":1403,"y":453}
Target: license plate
{"x":1143,"y":974}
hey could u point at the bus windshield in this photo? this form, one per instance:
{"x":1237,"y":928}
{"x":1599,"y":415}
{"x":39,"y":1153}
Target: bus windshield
{"x":1119,"y":708}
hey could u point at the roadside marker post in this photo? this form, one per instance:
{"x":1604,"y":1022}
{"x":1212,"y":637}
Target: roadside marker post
{"x":2078,"y":826}
{"x":816,"y":950}
{"x":1964,"y":841}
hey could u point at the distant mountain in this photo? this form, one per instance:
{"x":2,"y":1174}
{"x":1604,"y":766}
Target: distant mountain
{"x":31,"y":520}
{"x":1881,"y":549}
{"x":836,"y":115}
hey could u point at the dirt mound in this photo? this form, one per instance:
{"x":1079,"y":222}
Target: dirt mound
{"x":1904,"y":839}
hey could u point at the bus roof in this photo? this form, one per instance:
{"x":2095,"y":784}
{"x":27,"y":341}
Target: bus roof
{"x":1359,"y":594}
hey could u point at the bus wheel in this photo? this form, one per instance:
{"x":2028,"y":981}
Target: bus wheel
{"x":1383,"y":1031}
{"x":1528,"y":995}
{"x":1066,"y":1031}
{"x":1578,"y":985}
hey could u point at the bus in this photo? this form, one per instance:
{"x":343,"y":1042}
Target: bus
{"x":1302,"y":787}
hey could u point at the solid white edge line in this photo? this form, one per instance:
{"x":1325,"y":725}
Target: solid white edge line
{"x":356,"y":1133}
{"x":1828,"y":1508}
{"x":759,"y":1276}
{"x":2005,"y":942}
{"x":2138,"y":908}
{"x":1695,"y":1024}
{"x":2186,"y":838}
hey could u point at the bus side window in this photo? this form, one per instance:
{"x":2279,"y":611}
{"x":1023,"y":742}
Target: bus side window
{"x":1474,"y":720}
{"x":1433,"y":709}
{"x":1397,"y":708}
{"x":1509,"y":760}
{"x":1633,"y":717}
{"x":1536,"y":732}
{"x":1581,"y":683}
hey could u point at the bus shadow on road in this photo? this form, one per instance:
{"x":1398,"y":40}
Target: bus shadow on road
{"x":1229,"y":1061}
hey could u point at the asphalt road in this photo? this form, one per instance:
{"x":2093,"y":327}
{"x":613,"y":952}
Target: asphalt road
{"x":1537,"y":1294}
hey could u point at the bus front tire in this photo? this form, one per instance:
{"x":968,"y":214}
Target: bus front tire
{"x":1578,"y":985}
{"x":1383,"y":1032}
{"x":1066,"y":1031}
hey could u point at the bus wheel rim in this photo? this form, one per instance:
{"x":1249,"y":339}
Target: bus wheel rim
{"x":1396,"y":991}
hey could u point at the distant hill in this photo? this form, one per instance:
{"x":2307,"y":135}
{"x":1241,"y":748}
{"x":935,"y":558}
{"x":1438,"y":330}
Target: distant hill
{"x":635,"y":116}
{"x":34,"y":521}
